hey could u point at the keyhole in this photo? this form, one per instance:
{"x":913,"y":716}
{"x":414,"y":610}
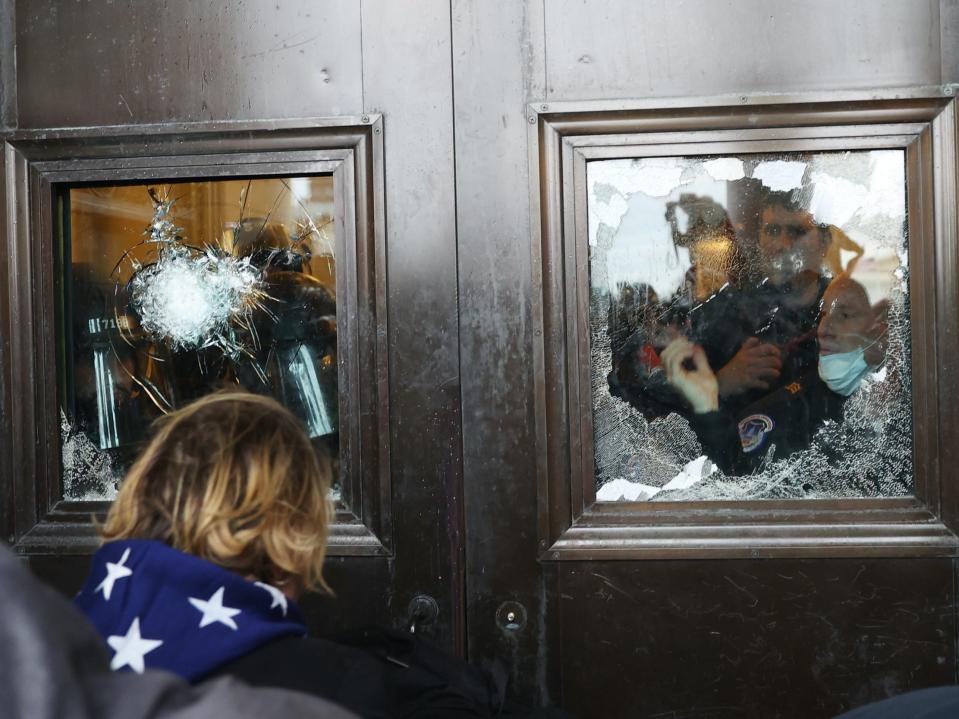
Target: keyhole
{"x":511,"y":616}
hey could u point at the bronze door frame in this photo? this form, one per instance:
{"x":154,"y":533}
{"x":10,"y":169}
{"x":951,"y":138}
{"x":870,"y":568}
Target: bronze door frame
{"x":36,"y":518}
{"x":563,"y":138}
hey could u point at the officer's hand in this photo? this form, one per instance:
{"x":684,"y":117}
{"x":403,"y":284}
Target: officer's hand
{"x":697,"y":383}
{"x":754,"y":366}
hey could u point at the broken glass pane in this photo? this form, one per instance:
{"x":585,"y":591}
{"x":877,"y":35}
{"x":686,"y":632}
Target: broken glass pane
{"x":749,"y":327}
{"x":169,"y":292}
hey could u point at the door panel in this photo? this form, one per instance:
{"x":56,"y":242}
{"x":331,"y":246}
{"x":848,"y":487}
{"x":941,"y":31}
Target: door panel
{"x":179,"y":63}
{"x":775,"y":638}
{"x":421,"y":300}
{"x":625,"y":49}
{"x":588,"y":631}
{"x":186,"y":61}
{"x":495,"y":68}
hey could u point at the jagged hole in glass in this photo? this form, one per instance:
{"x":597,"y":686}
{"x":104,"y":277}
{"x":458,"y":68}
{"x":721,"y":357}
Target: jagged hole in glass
{"x":866,"y":454}
{"x":146,"y":299}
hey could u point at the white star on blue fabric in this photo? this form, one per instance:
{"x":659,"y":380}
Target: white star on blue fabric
{"x":131,"y":649}
{"x":279,"y":598}
{"x":214,"y":611}
{"x":114,"y":572}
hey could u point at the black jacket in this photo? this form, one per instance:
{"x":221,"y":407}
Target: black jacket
{"x":382,"y":673}
{"x":730,"y":317}
{"x":373,"y":672}
{"x":721,"y":325}
{"x":787,"y":418}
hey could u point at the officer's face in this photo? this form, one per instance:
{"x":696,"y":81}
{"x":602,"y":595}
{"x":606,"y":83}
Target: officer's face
{"x":790,"y":243}
{"x":847,"y":318}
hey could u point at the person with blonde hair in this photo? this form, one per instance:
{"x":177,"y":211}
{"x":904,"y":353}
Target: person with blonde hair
{"x":221,"y":521}
{"x":218,"y":528}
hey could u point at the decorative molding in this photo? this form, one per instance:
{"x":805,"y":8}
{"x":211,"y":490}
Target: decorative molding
{"x":35,"y":516}
{"x":563,"y":137}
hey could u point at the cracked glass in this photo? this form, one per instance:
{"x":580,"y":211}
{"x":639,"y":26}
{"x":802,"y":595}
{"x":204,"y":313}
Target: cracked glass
{"x":169,"y":292}
{"x":749,"y":327}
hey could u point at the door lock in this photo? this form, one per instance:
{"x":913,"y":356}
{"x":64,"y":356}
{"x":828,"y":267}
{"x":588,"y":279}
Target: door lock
{"x":423,"y":610}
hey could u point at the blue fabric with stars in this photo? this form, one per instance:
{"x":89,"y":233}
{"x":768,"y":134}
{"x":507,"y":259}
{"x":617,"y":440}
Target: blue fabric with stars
{"x":159,"y":608}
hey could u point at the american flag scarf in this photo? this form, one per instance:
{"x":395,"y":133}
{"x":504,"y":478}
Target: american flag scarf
{"x":159,"y":608}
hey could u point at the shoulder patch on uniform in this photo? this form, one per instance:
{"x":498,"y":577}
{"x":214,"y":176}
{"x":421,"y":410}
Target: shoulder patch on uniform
{"x":753,"y":431}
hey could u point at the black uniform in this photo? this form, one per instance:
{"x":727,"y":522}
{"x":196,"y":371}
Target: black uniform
{"x":721,"y":325}
{"x":788,"y":418}
{"x":730,"y":317}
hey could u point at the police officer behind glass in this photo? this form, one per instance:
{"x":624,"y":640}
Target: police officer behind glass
{"x":761,"y":337}
{"x":851,"y":342}
{"x":764,"y":337}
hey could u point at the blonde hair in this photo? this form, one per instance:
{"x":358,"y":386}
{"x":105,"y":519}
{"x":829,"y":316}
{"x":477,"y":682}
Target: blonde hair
{"x":232,"y":478}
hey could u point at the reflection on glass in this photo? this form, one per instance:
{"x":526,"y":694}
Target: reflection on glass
{"x":104,"y":371}
{"x":300,"y":387}
{"x":749,"y":327}
{"x":170,"y":292}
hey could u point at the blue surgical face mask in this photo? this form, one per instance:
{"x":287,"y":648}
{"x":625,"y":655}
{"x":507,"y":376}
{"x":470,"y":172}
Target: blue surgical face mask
{"x":843,"y":372}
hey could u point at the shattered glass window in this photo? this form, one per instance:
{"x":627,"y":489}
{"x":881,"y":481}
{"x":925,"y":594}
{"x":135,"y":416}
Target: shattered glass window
{"x":169,"y":292}
{"x":749,"y":327}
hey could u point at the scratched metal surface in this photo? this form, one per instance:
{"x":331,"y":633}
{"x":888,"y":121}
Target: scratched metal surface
{"x":421,"y":303}
{"x":696,"y":47}
{"x":578,"y":648}
{"x":498,"y":63}
{"x":101,"y":63}
{"x":797,"y":638}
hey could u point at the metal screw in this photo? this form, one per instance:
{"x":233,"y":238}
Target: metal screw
{"x":743,"y":99}
{"x":365,"y":118}
{"x":544,"y":108}
{"x":947,"y":90}
{"x":532,"y":120}
{"x":376,"y":131}
{"x":511,"y":616}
